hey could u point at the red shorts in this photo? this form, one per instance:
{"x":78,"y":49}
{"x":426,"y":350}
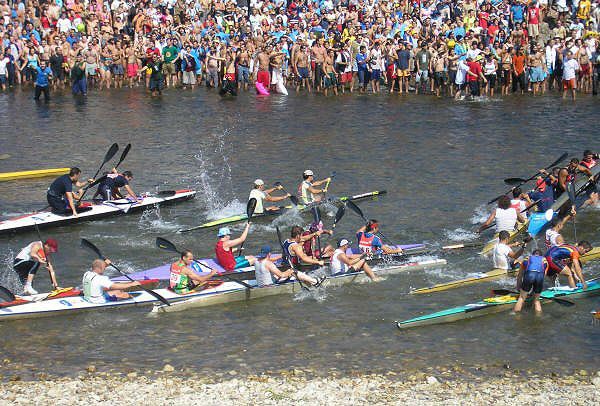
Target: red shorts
{"x":568,"y":84}
{"x":555,"y":267}
{"x":132,"y":70}
{"x":346,"y":77}
{"x":585,"y":71}
{"x":264,"y":77}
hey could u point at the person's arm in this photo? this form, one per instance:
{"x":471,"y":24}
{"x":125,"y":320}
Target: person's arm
{"x":239,"y":240}
{"x":578,"y":272}
{"x":489,"y":220}
{"x":305,"y":258}
{"x":520,"y":218}
{"x":389,"y":250}
{"x":516,"y":254}
{"x":562,"y":178}
{"x":320,"y":182}
{"x":520,"y":274}
{"x":123,"y":285}
{"x":277,"y":272}
{"x":71,"y":203}
{"x":132,"y":193}
{"x":198,"y":278}
{"x":274,"y":199}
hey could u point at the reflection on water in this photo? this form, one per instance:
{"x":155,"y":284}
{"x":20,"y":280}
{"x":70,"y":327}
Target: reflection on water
{"x":438,"y":160}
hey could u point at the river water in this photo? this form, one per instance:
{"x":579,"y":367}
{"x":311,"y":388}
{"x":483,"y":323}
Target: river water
{"x":439,"y":160}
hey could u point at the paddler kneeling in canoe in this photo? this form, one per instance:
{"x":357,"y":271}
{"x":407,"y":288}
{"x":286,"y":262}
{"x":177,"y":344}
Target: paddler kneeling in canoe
{"x":60,"y":195}
{"x":341,"y":262}
{"x":109,"y":189}
{"x":261,"y":195}
{"x":267,"y":272}
{"x":226,"y":246}
{"x":307,"y":189}
{"x":531,"y":280}
{"x":369,"y":243}
{"x":182,"y":278}
{"x":98,"y":288}
{"x":505,"y":215}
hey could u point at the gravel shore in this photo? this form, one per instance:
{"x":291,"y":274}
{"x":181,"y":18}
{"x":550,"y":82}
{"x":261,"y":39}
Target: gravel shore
{"x":296,"y":388}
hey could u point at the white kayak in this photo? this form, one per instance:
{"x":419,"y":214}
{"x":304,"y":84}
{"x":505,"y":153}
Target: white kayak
{"x":94,"y":211}
{"x":219,"y":292}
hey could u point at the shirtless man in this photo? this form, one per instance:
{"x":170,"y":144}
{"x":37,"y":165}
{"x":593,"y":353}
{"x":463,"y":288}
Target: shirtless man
{"x":537,"y":65}
{"x":585,"y":72}
{"x":300,"y":66}
{"x":262,"y":74}
{"x":229,"y":78}
{"x":91,"y":67}
{"x":276,"y":62}
{"x":330,"y":74}
{"x":319,"y":53}
{"x":212,"y":68}
{"x":440,"y":67}
{"x":243,"y":65}
{"x":117,"y":68}
{"x":133,"y":66}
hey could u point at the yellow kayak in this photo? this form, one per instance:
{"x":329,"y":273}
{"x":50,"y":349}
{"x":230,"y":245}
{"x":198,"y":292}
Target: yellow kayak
{"x":593,"y":255}
{"x":40,"y":173}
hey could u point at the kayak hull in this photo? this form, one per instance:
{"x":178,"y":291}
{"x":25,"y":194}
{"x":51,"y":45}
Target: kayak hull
{"x":40,"y":173}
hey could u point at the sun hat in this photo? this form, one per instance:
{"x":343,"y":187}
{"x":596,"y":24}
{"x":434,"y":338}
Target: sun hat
{"x":223,"y":231}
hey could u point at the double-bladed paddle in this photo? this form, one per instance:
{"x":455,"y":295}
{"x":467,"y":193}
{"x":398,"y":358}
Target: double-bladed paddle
{"x":562,"y":302}
{"x":293,"y":198}
{"x":326,"y":188}
{"x":250,"y":207}
{"x":516,"y":182}
{"x":572,"y":194}
{"x":123,"y":155}
{"x":6,"y":295}
{"x":286,"y":257}
{"x":317,"y":218}
{"x":338,"y":215}
{"x":359,"y":212}
{"x":109,"y":155}
{"x":90,"y":246}
{"x":167,"y":245}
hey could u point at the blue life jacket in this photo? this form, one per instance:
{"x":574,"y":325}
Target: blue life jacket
{"x":535,"y":263}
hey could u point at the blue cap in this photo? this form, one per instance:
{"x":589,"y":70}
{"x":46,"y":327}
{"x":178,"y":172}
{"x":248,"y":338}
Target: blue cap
{"x":264,"y":252}
{"x":223,"y":231}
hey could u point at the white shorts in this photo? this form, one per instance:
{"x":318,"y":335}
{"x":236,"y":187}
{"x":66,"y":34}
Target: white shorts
{"x":276,"y":76}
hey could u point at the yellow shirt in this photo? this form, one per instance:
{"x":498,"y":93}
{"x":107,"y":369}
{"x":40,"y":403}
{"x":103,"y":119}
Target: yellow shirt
{"x":583,"y":12}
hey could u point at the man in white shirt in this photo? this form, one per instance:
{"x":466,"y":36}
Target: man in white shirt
{"x":260,"y":194}
{"x":570,"y":68}
{"x":98,"y":288}
{"x":503,"y":255}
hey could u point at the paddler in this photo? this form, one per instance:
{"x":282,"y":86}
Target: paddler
{"x":553,"y":236}
{"x":294,"y":249}
{"x":267,"y":272}
{"x":569,"y":174}
{"x":506,"y":216}
{"x":98,"y":288}
{"x":520,"y":201}
{"x":309,"y":241}
{"x":369,"y":243}
{"x":29,"y":259}
{"x":261,"y":195}
{"x":182,"y":278}
{"x":531,"y":280}
{"x":544,"y":191}
{"x":342,"y":262}
{"x":109,"y":189}
{"x":564,"y":260}
{"x":60,"y":195}
{"x":590,"y":159}
{"x":503,"y":255}
{"x":307,"y":189}
{"x":226,"y":246}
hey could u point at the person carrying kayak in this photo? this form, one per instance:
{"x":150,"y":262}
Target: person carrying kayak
{"x":265,"y":271}
{"x":261,"y":195}
{"x":29,"y":259}
{"x":369,"y":243}
{"x":307,"y":189}
{"x":60,"y":195}
{"x":182,"y":277}
{"x":295,"y":250}
{"x":503,"y":256}
{"x":506,"y":216}
{"x":564,"y":260}
{"x":341,"y":262}
{"x":530,"y":279}
{"x":226,"y":246}
{"x":109,"y":189}
{"x":98,"y":288}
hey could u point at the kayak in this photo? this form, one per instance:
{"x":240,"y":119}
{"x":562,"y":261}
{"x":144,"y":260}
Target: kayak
{"x":496,"y":304}
{"x":94,"y":210}
{"x":563,"y":199}
{"x":594,"y":254}
{"x":206,"y":265}
{"x":40,"y":173}
{"x":282,"y":209}
{"x":216,"y":291}
{"x":232,"y":292}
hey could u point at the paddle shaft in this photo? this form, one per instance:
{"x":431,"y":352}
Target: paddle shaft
{"x":153,"y":293}
{"x":48,"y":260}
{"x":286,"y":256}
{"x":244,"y":284}
{"x":109,"y":155}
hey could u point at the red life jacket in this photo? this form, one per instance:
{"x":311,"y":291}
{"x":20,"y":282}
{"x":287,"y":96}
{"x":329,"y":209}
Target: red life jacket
{"x":589,"y":164}
{"x":307,"y":245}
{"x":224,"y":258}
{"x":366,"y":243}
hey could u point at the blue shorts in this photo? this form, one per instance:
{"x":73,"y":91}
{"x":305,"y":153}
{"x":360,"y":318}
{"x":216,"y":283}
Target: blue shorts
{"x":241,"y":262}
{"x":533,"y":281}
{"x":303,"y":73}
{"x":376,"y":74}
{"x":110,"y":298}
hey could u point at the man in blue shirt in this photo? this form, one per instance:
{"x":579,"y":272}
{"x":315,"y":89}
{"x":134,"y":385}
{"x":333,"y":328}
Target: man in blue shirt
{"x":516,"y":12}
{"x":361,"y":62}
{"x":44,"y":74}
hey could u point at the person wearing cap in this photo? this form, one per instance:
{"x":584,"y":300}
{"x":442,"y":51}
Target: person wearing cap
{"x":29,"y":259}
{"x":369,"y":243}
{"x":226,"y":246}
{"x":295,"y":250}
{"x":261,"y":194}
{"x":182,"y":278}
{"x":265,"y":270}
{"x":342,"y":262}
{"x":307,"y":188}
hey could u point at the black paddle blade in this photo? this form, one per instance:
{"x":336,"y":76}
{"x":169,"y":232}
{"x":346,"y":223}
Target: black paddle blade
{"x":111,"y":152}
{"x":250,"y":208}
{"x":339,"y":214}
{"x":559,"y":160}
{"x":503,"y":292}
{"x":316,"y":214}
{"x":276,"y":184}
{"x":123,"y":155}
{"x":165,"y":244}
{"x":279,"y":237}
{"x":333,"y":174}
{"x":294,"y":200}
{"x":99,"y":180}
{"x":355,"y":208}
{"x":166,"y":193}
{"x":90,"y":246}
{"x":514,"y":181}
{"x":6,"y":295}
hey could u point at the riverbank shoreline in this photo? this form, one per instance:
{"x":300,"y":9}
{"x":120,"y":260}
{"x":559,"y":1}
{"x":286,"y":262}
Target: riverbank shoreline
{"x":168,"y":388}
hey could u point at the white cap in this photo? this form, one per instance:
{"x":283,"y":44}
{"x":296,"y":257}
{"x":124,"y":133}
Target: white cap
{"x":259,"y":182}
{"x":308,"y":172}
{"x":343,"y":242}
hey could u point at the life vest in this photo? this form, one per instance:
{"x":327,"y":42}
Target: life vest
{"x":287,"y":245}
{"x":307,"y":245}
{"x":589,"y":164}
{"x":506,"y":219}
{"x":177,"y":280}
{"x":224,"y":258}
{"x":25,"y":253}
{"x":307,"y":196}
{"x":551,"y":236}
{"x":536,"y":263}
{"x":562,"y":252}
{"x":365,"y":244}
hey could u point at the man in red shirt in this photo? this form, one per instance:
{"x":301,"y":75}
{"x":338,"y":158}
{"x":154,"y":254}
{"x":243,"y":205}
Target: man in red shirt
{"x":226,"y":246}
{"x":473,"y":75}
{"x":533,"y":20}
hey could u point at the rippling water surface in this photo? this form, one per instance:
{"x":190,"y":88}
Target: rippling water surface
{"x":440,"y":161}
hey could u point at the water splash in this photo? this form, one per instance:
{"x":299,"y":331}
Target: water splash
{"x":232,"y":208}
{"x":461,"y":234}
{"x":152,"y":220}
{"x":480,"y":215}
{"x":8,"y":277}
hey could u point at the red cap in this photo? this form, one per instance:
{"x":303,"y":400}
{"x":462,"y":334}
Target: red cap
{"x":541,"y":185}
{"x":52,"y":244}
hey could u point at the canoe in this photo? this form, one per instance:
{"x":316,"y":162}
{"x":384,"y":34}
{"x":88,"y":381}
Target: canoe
{"x":96,"y":210}
{"x":282,"y":209}
{"x":594,"y":254}
{"x":217,"y":292}
{"x":40,"y":173}
{"x":496,"y":304}
{"x":232,"y":292}
{"x":562,"y":200}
